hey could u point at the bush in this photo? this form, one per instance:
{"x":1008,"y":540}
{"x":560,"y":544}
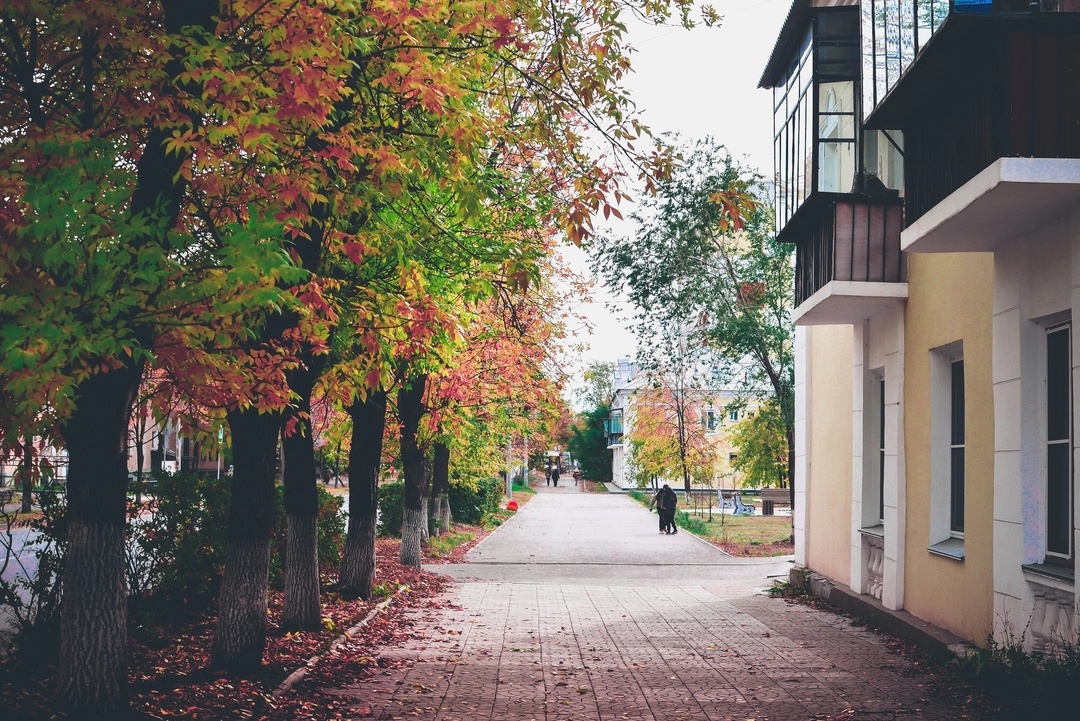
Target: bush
{"x":331,"y":528}
{"x":176,"y":553}
{"x":391,"y":508}
{"x":1023,"y":685}
{"x":474,"y":505}
{"x":33,"y":604}
{"x":691,"y":523}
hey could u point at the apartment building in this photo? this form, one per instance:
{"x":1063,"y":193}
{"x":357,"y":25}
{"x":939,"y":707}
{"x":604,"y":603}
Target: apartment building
{"x":928,"y":177}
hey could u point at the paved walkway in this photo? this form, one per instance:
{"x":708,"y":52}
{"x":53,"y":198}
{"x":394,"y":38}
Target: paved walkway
{"x":579,"y":609}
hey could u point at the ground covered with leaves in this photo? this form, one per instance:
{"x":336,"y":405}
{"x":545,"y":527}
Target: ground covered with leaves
{"x":946,"y":675}
{"x":169,"y":677}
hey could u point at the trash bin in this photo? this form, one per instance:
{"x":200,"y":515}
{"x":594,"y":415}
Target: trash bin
{"x":767,"y":507}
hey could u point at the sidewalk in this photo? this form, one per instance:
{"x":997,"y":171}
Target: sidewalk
{"x":578,"y":609}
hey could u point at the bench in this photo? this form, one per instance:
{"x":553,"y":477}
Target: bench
{"x":731,"y":501}
{"x":7,"y":495}
{"x":770,"y":497}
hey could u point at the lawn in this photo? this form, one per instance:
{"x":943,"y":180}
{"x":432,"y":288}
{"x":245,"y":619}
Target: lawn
{"x":737,"y":535}
{"x":742,"y":535}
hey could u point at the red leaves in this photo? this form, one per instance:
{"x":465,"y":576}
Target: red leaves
{"x":169,"y":678}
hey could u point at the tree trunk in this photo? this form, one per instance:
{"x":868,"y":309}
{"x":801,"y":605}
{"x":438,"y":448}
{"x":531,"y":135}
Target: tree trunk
{"x":440,"y":485}
{"x":446,"y":518}
{"x":140,"y":429}
{"x":425,"y":504}
{"x":301,"y":608}
{"x":92,"y":677}
{"x":240,"y":637}
{"x":414,"y":518}
{"x":425,"y":527}
{"x":365,"y":455}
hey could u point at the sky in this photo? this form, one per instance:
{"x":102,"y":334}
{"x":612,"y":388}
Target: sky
{"x":699,"y":82}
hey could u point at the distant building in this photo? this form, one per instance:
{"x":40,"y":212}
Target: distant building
{"x":711,"y":415}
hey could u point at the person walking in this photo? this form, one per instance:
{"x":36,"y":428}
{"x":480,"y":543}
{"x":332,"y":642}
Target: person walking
{"x":555,"y":476}
{"x":670,"y":505}
{"x":660,"y":500}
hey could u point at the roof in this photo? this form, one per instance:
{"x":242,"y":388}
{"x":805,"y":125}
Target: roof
{"x":787,"y":42}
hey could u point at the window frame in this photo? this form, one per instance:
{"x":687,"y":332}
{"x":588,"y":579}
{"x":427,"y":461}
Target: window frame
{"x":1057,"y":556}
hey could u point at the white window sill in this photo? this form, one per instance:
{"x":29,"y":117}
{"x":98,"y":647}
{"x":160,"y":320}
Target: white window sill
{"x":878,"y":531}
{"x":1062,"y":578}
{"x":949,"y":548}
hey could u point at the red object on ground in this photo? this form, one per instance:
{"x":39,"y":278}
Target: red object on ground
{"x":511,"y":506}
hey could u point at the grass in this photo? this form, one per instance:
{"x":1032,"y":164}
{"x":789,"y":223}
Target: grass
{"x":742,"y":535}
{"x":444,"y":544}
{"x":737,"y":535}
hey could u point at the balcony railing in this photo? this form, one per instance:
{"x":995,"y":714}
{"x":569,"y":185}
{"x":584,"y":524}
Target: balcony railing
{"x":857,"y":239}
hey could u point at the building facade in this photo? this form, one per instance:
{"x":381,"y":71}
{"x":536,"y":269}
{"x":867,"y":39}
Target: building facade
{"x":928,"y":179}
{"x":711,"y":419}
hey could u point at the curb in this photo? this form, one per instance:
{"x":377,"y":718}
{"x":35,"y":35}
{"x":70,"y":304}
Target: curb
{"x":496,"y":530}
{"x":299,"y":673}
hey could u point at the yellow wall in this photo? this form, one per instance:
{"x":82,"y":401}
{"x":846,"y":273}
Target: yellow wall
{"x":950,"y":298}
{"x":828,"y":521}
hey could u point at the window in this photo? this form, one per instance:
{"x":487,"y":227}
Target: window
{"x":733,"y":416}
{"x":710,"y":419}
{"x":1059,"y":502}
{"x":956,"y":451}
{"x":881,"y":450}
{"x":948,"y":449}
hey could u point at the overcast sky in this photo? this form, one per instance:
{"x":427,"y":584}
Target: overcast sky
{"x":697,"y":83}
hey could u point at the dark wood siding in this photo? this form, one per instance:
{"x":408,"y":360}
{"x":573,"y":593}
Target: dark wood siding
{"x":998,"y":91}
{"x":855,"y":240}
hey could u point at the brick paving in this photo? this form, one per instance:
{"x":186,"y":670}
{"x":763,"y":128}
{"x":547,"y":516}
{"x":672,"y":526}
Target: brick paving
{"x":566,"y":638}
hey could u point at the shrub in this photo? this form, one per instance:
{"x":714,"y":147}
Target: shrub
{"x":391,"y":508}
{"x":691,"y":523}
{"x":331,"y":528}
{"x":176,"y":551}
{"x":1024,"y":685}
{"x":473,"y":505}
{"x":32,"y":603}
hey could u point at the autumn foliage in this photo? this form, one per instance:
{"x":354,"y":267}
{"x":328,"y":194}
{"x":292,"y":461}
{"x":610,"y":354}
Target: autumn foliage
{"x":265,"y":203}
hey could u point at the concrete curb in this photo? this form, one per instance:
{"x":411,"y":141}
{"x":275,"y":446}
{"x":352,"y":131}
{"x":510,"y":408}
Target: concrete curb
{"x":299,"y":673}
{"x":497,"y":529}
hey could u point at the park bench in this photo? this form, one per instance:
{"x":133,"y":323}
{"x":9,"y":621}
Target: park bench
{"x":731,"y":500}
{"x":7,"y":495}
{"x":770,"y":497}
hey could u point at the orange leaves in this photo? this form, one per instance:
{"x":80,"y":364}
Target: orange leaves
{"x":736,"y":204}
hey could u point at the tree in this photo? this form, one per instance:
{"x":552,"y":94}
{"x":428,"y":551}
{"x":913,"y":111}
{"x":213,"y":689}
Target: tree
{"x":762,"y":444}
{"x":90,"y":195}
{"x":599,"y":384}
{"x":588,"y":444}
{"x":669,"y":433}
{"x":704,"y":259}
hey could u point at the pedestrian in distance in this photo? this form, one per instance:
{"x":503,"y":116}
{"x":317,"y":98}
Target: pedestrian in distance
{"x":670,"y":505}
{"x":577,"y":476}
{"x":660,"y":500}
{"x":555,"y":476}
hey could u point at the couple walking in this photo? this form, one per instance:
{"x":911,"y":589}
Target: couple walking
{"x":665,"y":501}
